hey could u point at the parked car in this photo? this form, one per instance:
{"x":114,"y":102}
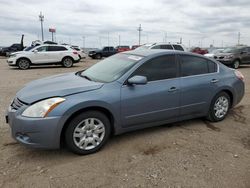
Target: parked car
{"x":44,"y":55}
{"x":104,"y":52}
{"x":234,"y":56}
{"x":125,"y":92}
{"x":134,"y":47}
{"x":13,"y":48}
{"x":165,"y":46}
{"x":122,"y":48}
{"x":199,"y":51}
{"x":81,"y":52}
{"x":213,"y":53}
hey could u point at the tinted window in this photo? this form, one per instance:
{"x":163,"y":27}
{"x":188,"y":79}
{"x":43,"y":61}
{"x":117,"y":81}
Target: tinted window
{"x":57,"y":48}
{"x":156,"y":47}
{"x":248,"y":49}
{"x":167,"y":47}
{"x":178,"y":47}
{"x":191,"y":65}
{"x":106,"y":49}
{"x":42,"y":49}
{"x":159,"y":68}
{"x":212,"y":67}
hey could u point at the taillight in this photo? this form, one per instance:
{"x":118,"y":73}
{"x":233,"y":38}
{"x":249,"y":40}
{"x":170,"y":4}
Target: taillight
{"x":239,"y":75}
{"x":75,"y":52}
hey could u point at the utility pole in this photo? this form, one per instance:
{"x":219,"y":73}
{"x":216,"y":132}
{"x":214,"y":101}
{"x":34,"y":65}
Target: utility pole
{"x":166,"y":36}
{"x":239,"y":38}
{"x":181,"y":40}
{"x":119,"y":40}
{"x":139,"y":30}
{"x":41,"y":19}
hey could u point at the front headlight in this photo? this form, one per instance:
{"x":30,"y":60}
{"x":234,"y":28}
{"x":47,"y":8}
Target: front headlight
{"x":42,"y":108}
{"x":14,"y":55}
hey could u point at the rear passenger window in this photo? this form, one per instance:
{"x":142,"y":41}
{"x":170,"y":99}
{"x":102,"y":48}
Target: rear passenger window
{"x":212,"y":67}
{"x":191,"y":65}
{"x":178,"y":47}
{"x":57,"y":48}
{"x":159,"y":68}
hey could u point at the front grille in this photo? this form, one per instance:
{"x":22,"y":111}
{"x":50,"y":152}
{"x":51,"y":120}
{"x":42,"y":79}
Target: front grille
{"x":16,"y":104}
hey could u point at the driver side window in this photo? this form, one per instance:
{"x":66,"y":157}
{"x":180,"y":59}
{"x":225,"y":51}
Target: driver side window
{"x":160,"y":68}
{"x":42,"y":49}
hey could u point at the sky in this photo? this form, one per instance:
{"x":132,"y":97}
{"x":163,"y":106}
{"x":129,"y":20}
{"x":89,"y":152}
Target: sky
{"x":96,"y":23}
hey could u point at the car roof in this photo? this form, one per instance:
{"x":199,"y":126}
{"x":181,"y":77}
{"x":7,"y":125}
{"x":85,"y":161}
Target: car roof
{"x":150,"y":52}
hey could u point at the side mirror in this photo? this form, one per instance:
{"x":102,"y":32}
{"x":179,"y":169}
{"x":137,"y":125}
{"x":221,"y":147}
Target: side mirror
{"x":35,"y":51}
{"x":137,"y":80}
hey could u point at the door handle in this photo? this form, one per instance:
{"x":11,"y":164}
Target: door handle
{"x":172,"y":89}
{"x":214,"y":80}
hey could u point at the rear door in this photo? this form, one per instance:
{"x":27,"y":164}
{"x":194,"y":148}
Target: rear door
{"x":199,"y":82}
{"x":56,"y":53}
{"x":155,"y":101}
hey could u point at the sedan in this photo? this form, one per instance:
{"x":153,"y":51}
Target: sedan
{"x":125,"y":92}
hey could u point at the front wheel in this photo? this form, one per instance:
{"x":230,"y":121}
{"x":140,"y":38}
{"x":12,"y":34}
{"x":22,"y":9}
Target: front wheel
{"x":67,"y":62}
{"x":23,"y":64}
{"x":219,"y":107}
{"x":87,"y":132}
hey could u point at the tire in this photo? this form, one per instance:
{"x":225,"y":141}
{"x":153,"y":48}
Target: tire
{"x":23,"y":64}
{"x":83,"y":137}
{"x":98,"y":56}
{"x":236,"y":64}
{"x":219,"y":107}
{"x":67,"y":62}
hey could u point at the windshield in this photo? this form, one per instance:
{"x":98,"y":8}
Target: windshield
{"x":112,"y":68}
{"x":231,"y":50}
{"x":29,"y":48}
{"x":144,"y":47}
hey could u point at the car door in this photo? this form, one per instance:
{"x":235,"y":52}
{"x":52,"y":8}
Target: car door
{"x":156,"y":101}
{"x":199,"y":82}
{"x":39,"y":55}
{"x":244,"y":55}
{"x":105,"y":52}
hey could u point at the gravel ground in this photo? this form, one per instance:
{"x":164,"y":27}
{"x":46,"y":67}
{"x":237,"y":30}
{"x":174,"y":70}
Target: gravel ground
{"x":192,"y":153}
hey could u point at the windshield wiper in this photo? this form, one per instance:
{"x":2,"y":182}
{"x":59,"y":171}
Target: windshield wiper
{"x":86,"y":77}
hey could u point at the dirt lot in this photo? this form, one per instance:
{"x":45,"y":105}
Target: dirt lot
{"x":192,"y":153}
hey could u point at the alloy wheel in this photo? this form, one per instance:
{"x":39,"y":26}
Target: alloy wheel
{"x":89,"y":133}
{"x":221,"y":107}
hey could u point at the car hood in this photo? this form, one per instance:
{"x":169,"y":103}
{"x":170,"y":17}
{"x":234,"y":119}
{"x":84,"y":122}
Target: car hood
{"x":224,"y":54}
{"x":94,"y":51}
{"x":56,"y":86}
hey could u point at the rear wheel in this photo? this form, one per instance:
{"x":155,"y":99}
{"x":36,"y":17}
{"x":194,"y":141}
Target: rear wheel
{"x":219,"y":107}
{"x":67,"y":62}
{"x":23,"y":64}
{"x":236,"y":64}
{"x":87,"y":132}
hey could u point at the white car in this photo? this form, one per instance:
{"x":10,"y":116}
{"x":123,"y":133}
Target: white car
{"x":44,"y":55}
{"x":166,"y":46}
{"x":81,"y":52}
